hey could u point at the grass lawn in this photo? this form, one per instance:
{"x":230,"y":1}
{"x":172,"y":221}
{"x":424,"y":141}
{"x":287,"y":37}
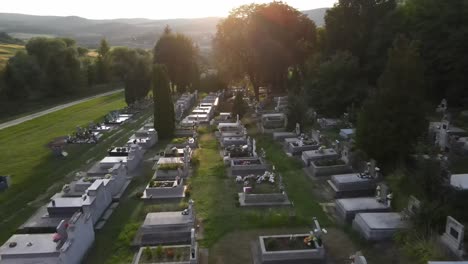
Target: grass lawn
{"x":215,"y":195}
{"x":35,"y":172}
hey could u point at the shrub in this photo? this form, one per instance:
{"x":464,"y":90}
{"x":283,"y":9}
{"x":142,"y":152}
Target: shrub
{"x":148,"y":253}
{"x":271,"y":244}
{"x":138,"y":195}
{"x":159,"y":251}
{"x":195,"y":159}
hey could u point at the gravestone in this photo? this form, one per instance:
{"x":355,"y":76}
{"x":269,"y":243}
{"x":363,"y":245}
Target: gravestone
{"x":316,"y":135}
{"x":442,"y":107}
{"x":453,"y":236}
{"x":345,"y":154}
{"x":414,"y":205}
{"x":358,"y":258}
{"x":442,"y":135}
{"x":254,"y":148}
{"x":4,"y":182}
{"x":298,"y":129}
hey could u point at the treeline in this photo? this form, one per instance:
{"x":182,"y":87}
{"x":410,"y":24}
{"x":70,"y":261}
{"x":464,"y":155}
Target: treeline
{"x":384,"y":62}
{"x":7,"y":39}
{"x":57,"y":67}
{"x":52,"y":67}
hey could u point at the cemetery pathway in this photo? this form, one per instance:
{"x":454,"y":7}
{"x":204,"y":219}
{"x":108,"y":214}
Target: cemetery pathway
{"x":53,"y":109}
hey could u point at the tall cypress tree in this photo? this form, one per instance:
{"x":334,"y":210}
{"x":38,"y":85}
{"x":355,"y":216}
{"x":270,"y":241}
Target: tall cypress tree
{"x":164,"y":119}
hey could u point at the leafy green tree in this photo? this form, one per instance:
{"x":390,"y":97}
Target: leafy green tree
{"x":337,"y":85}
{"x":103,"y":67}
{"x":297,"y":110}
{"x":179,"y":54}
{"x":350,"y":24}
{"x":59,"y":63}
{"x":22,"y":76}
{"x":393,"y":118}
{"x":442,"y":30}
{"x":133,"y":68}
{"x":239,"y":106}
{"x":164,"y":115}
{"x":263,"y":42}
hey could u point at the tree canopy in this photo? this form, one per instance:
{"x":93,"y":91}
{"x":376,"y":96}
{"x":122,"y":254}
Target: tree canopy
{"x":263,"y":42}
{"x":179,"y":54}
{"x":395,"y":116}
{"x":133,"y":68}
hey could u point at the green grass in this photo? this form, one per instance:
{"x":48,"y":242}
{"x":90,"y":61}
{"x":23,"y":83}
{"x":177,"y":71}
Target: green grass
{"x":215,"y":196}
{"x":7,"y":51}
{"x":35,"y":172}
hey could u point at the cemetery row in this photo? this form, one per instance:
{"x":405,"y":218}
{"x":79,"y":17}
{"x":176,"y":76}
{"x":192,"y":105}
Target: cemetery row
{"x":63,"y":230}
{"x":260,"y":185}
{"x":171,"y":236}
{"x":362,"y":198}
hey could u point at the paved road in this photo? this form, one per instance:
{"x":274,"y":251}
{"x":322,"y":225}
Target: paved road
{"x":53,"y":109}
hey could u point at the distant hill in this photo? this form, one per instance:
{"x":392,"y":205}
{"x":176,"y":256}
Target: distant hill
{"x":135,"y":32}
{"x":317,"y":15}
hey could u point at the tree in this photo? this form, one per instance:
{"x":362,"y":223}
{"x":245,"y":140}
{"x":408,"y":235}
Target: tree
{"x":263,"y":42}
{"x":59,"y":63}
{"x":393,"y":118}
{"x":103,"y":70}
{"x":239,"y":106}
{"x":133,"y":68}
{"x":164,"y":115}
{"x":297,"y":110}
{"x":179,"y":54}
{"x":22,"y":76}
{"x":336,"y":85}
{"x":350,"y":24}
{"x":442,"y":29}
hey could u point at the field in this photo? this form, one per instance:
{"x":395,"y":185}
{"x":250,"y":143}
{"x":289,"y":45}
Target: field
{"x":33,"y":168}
{"x":7,"y":51}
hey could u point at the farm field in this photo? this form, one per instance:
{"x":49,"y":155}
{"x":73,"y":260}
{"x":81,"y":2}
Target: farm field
{"x":7,"y":51}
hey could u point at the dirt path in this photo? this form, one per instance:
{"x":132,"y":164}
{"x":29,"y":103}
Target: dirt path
{"x":53,"y":109}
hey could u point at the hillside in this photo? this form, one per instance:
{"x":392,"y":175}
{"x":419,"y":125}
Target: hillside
{"x":7,"y":51}
{"x":135,"y":32}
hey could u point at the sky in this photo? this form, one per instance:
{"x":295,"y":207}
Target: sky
{"x":153,"y":9}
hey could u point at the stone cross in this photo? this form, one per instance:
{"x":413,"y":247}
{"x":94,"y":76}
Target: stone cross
{"x":318,"y":231}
